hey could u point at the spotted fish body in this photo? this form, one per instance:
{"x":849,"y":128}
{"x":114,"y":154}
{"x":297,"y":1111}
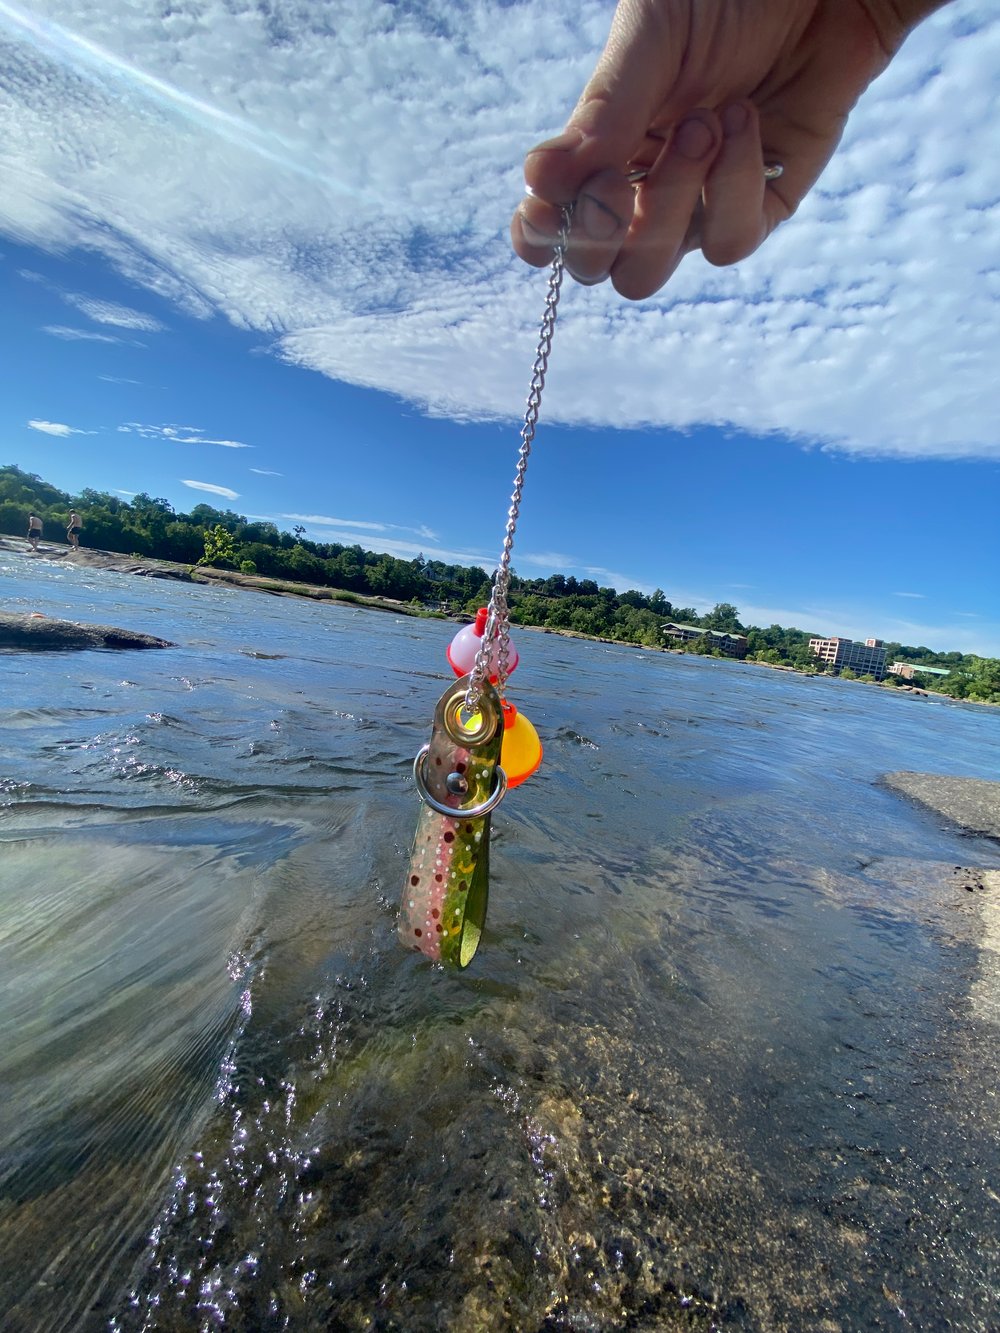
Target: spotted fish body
{"x":447,"y":884}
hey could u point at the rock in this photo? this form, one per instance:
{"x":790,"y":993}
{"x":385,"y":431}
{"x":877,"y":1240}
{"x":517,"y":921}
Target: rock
{"x":42,"y":633}
{"x":971,"y":803}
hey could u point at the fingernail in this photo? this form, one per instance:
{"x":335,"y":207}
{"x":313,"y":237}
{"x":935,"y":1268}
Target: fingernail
{"x":572,"y":138}
{"x":734,"y":120}
{"x":533,"y":235}
{"x":597,"y":220}
{"x":693,"y":139}
{"x":590,"y":281}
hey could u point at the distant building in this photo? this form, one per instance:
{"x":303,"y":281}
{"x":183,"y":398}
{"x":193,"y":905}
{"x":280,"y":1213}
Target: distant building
{"x":867,"y":659}
{"x":907,"y":670}
{"x":730,"y":645}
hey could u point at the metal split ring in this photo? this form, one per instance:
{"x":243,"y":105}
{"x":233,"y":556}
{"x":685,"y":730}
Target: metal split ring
{"x":463,"y":812}
{"x":772,"y":170}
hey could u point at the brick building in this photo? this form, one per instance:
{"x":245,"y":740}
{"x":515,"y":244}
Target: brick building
{"x":867,"y":659}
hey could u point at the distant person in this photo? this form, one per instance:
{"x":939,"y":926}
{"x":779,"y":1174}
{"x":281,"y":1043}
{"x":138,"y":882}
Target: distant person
{"x":34,"y":530}
{"x":73,"y":531}
{"x":704,"y":125}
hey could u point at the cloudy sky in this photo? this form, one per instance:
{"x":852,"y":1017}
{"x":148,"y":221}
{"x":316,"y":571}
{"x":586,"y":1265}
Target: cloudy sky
{"x":258,"y":252}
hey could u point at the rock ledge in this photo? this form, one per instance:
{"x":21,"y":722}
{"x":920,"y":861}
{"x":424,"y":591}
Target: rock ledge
{"x":43,"y":633}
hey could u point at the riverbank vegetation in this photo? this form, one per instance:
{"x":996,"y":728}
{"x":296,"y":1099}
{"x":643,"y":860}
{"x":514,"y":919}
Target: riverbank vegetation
{"x":148,"y":526}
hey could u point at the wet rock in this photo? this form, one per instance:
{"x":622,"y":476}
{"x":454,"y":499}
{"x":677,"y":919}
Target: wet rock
{"x":972,"y":803}
{"x":43,"y":633}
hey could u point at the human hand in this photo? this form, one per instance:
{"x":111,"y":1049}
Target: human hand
{"x":702,"y":94}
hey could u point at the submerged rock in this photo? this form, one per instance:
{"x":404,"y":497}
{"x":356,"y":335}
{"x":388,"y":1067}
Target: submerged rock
{"x":42,"y":633}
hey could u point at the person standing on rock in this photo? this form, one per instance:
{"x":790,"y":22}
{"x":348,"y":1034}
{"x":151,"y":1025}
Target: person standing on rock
{"x":73,"y":531}
{"x":34,"y":530}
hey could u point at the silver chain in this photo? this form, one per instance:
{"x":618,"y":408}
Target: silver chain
{"x":498,"y":619}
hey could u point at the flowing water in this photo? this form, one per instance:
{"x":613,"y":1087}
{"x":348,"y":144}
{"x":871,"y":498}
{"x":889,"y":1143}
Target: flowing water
{"x":727,"y":1058}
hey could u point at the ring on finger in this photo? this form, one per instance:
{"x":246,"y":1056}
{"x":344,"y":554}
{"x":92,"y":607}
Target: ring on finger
{"x":772,"y":170}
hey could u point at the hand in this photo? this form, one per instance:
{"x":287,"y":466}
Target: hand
{"x":702,"y":94}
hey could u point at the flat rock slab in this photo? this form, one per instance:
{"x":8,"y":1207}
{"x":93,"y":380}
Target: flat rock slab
{"x":42,"y":633}
{"x":972,"y":803}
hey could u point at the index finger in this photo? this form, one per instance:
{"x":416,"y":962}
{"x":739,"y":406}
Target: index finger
{"x":629,"y":89}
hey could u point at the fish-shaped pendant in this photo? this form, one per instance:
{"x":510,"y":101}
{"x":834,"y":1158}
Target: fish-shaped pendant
{"x":460,"y":780}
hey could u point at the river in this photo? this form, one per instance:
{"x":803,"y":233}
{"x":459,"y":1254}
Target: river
{"x":726,"y":1058}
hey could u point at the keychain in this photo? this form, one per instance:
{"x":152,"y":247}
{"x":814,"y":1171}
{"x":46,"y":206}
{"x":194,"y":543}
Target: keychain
{"x":480,"y":744}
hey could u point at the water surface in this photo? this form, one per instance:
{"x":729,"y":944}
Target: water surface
{"x":720,"y":1062}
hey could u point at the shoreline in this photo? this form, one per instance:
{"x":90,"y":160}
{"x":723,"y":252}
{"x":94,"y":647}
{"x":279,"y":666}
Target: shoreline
{"x":153,"y":567}
{"x":88,"y":557}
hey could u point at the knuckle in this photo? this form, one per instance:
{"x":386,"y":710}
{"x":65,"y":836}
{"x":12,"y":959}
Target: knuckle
{"x":723,"y":252}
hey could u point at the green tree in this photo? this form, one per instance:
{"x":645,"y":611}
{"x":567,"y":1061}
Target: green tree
{"x":181,"y":542}
{"x":725,"y":617}
{"x":983,"y":677}
{"x":530,"y":610}
{"x":560,"y":615}
{"x":703,"y":645}
{"x":300,"y":563}
{"x":219,"y":547}
{"x":659,"y":605}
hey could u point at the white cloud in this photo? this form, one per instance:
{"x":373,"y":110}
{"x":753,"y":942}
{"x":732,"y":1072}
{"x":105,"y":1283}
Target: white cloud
{"x":266,"y":472}
{"x":559,"y":560}
{"x":527,"y":562}
{"x":118,"y":379}
{"x":321,"y":520}
{"x":612,"y":578}
{"x":79,"y":335}
{"x":51,"y":427}
{"x":910,"y":594}
{"x":382,"y":545}
{"x":57,"y":428}
{"x":109,"y":312}
{"x":101,"y":312}
{"x":177,"y":435}
{"x":212,"y":489}
{"x":341,"y":184}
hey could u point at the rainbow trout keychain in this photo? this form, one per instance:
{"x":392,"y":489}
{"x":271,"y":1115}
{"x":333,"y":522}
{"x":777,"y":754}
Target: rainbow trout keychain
{"x":480,"y":744}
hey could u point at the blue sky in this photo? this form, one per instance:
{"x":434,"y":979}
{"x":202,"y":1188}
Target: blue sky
{"x":262,"y":262}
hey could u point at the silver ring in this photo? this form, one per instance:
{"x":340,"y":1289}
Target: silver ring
{"x":463,"y":812}
{"x":772,"y":170}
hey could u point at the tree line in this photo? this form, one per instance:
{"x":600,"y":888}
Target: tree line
{"x":149,"y":526}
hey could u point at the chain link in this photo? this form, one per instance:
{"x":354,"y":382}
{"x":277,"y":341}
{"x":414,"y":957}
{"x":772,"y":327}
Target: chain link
{"x":498,"y":619}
